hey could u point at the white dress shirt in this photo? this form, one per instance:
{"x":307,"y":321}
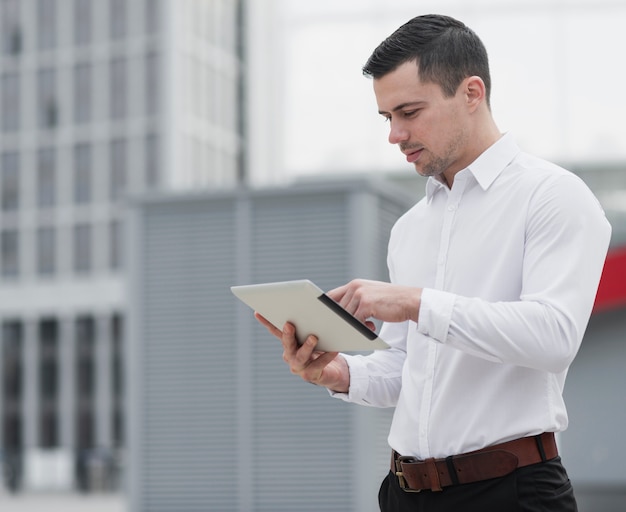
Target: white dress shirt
{"x":509,"y":260}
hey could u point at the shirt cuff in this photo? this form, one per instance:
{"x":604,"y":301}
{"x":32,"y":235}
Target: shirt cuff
{"x":358,"y":380}
{"x":435,"y":314}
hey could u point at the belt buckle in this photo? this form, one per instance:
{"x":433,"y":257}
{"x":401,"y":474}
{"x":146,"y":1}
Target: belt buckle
{"x":401,"y":480}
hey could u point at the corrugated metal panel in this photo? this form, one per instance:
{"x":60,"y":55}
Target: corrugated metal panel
{"x":304,"y":236}
{"x":190,"y":366}
{"x":224,"y":425}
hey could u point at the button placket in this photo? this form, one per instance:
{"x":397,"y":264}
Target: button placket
{"x":449,"y":213}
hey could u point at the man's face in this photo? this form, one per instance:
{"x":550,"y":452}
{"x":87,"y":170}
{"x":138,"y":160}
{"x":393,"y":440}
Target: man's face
{"x":430,"y":129}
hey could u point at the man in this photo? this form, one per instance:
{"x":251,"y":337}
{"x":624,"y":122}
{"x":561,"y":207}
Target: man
{"x":493,"y":278}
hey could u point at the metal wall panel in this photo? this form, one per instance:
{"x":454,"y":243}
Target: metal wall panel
{"x":592,"y":446}
{"x":299,"y":433}
{"x":219,"y":422}
{"x":189,"y":364}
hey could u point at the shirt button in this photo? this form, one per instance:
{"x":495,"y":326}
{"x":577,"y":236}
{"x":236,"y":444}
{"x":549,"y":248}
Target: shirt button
{"x":451,"y":208}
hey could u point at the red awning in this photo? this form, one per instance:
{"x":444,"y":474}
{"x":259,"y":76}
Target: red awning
{"x":612,"y":289}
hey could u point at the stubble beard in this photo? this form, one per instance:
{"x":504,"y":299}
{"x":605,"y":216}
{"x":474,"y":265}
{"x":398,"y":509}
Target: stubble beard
{"x":436,"y":164}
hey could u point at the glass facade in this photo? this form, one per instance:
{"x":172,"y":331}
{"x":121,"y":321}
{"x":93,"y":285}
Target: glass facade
{"x":82,"y":113}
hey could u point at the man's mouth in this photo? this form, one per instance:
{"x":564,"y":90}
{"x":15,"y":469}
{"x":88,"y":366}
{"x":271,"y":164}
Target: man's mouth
{"x":413,"y":155}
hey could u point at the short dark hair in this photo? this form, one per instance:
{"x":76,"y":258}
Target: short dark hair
{"x":445,"y":50}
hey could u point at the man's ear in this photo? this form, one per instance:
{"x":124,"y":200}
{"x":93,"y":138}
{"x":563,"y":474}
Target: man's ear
{"x":475,"y":91}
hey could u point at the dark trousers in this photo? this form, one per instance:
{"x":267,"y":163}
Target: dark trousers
{"x":543,"y":487}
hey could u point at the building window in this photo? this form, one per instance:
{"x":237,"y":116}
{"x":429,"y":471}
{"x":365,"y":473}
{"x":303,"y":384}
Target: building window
{"x":85,"y":382}
{"x":10,"y":102}
{"x":84,"y":431}
{"x":117,"y":368}
{"x":82,"y":92}
{"x":46,"y":178}
{"x":12,"y":360}
{"x":152,"y":83}
{"x":118,"y":169}
{"x":11,"y":28}
{"x":152,"y":16}
{"x":85,"y":352}
{"x":10,"y":181}
{"x":48,"y":346}
{"x":46,"y":24}
{"x":82,"y":248}
{"x":10,"y":253}
{"x":46,"y":251}
{"x":46,"y":99}
{"x":12,"y":363}
{"x":82,"y":22}
{"x":48,"y":382}
{"x":82,"y":173}
{"x":117,"y":18}
{"x":115,"y":245}
{"x":151,"y":161}
{"x":118,"y":89}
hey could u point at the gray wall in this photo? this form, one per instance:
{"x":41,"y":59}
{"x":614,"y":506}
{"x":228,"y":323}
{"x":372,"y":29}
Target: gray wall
{"x":216,"y":421}
{"x":594,"y":449}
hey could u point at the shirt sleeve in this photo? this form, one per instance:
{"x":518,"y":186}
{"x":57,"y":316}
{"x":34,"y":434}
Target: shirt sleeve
{"x":567,"y":237}
{"x":376,"y":379}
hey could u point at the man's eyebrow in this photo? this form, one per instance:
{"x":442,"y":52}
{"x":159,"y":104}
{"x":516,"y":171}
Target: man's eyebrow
{"x":402,"y":106}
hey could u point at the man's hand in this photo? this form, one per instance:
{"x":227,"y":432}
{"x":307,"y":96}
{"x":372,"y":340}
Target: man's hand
{"x":365,"y":300}
{"x":375,"y":299}
{"x":327,"y":369}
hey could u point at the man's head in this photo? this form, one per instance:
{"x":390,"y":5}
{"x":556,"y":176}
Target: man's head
{"x":431,"y":81}
{"x":444,"y":49}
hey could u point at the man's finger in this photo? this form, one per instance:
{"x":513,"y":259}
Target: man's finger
{"x":275,"y":331}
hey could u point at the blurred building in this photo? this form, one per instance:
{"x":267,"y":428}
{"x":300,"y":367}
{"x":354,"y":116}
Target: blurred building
{"x":98,"y":99}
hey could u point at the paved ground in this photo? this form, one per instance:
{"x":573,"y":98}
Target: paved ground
{"x":62,"y":503}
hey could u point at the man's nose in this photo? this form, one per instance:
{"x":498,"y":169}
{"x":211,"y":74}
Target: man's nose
{"x":398,"y":133}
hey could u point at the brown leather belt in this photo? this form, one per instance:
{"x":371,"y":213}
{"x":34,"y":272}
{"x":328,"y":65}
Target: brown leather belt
{"x":491,"y":462}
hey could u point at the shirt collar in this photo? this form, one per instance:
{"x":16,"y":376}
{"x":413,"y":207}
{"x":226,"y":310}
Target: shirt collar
{"x":486,"y":168}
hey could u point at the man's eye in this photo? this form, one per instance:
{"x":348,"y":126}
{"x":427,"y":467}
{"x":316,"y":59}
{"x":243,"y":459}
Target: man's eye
{"x":410,"y":113}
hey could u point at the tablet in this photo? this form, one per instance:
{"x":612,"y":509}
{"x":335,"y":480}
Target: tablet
{"x":312,"y":312}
